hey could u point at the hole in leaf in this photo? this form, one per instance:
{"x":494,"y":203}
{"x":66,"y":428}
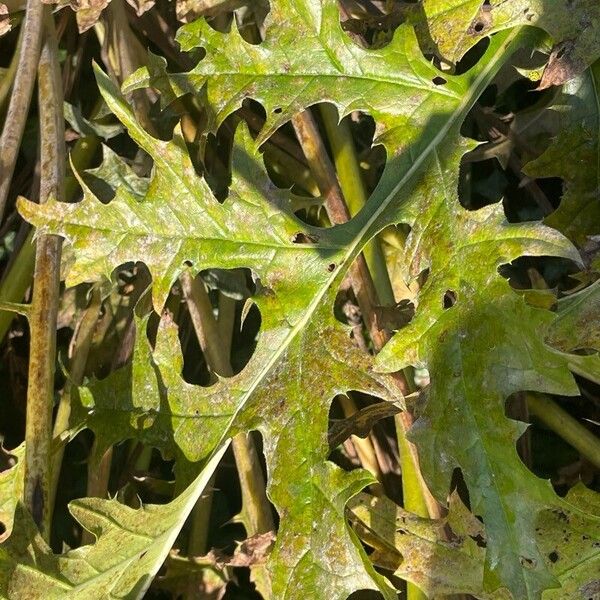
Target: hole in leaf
{"x":372,"y":422}
{"x":304,"y":238}
{"x":277,"y":110}
{"x":439,"y":80}
{"x":472,"y":57}
{"x":542,"y":450}
{"x":541,"y":273}
{"x":449,"y":299}
{"x":248,"y":18}
{"x":237,"y":319}
{"x":2,"y":528}
{"x":553,"y":556}
{"x":369,"y":27}
{"x":288,"y":168}
{"x":365,"y":595}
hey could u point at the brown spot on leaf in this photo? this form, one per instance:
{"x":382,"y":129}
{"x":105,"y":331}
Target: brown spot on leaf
{"x":304,"y":238}
{"x":482,"y":22}
{"x":528,"y":563}
{"x":590,"y":590}
{"x":562,"y":65}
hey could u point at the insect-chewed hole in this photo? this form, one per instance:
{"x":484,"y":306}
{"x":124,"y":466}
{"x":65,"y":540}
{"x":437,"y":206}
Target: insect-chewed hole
{"x":438,"y":80}
{"x":449,"y":299}
{"x":365,"y":595}
{"x":226,"y":293}
{"x":542,"y":273}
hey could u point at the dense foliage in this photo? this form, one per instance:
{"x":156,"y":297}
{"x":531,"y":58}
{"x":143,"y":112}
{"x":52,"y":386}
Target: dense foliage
{"x":284,"y":285}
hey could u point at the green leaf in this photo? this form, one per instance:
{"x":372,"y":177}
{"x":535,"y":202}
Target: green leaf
{"x":451,"y":27}
{"x":131,"y":546}
{"x":576,"y":327}
{"x":113,"y":173}
{"x":131,"y":403}
{"x":393,"y":84}
{"x":11,"y":490}
{"x":574,"y":156}
{"x":440,"y":556}
{"x":282,"y":391}
{"x":570,"y":538}
{"x":485,"y":347}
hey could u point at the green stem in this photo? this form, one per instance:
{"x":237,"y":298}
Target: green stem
{"x":18,"y":108}
{"x":256,"y":507}
{"x":44,"y":305}
{"x":348,"y":172}
{"x":569,"y":429}
{"x":9,"y":76}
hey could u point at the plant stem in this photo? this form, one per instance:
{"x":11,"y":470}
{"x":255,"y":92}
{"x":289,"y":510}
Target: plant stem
{"x":568,"y":428}
{"x":14,"y":124}
{"x":81,"y":343}
{"x":44,"y":305}
{"x":351,"y":183}
{"x":9,"y":75}
{"x":256,"y":507}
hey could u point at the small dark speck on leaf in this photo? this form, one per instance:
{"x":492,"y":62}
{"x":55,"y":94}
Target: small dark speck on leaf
{"x":304,"y":238}
{"x":553,"y":556}
{"x":529,"y":563}
{"x":331,"y":267}
{"x":439,"y":80}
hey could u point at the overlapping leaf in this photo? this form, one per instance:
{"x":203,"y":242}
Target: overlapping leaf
{"x":130,"y":548}
{"x":578,"y":106}
{"x":282,"y":392}
{"x":442,"y":557}
{"x":478,"y":351}
{"x":450,"y":27}
{"x":447,"y":556}
{"x":11,"y":489}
